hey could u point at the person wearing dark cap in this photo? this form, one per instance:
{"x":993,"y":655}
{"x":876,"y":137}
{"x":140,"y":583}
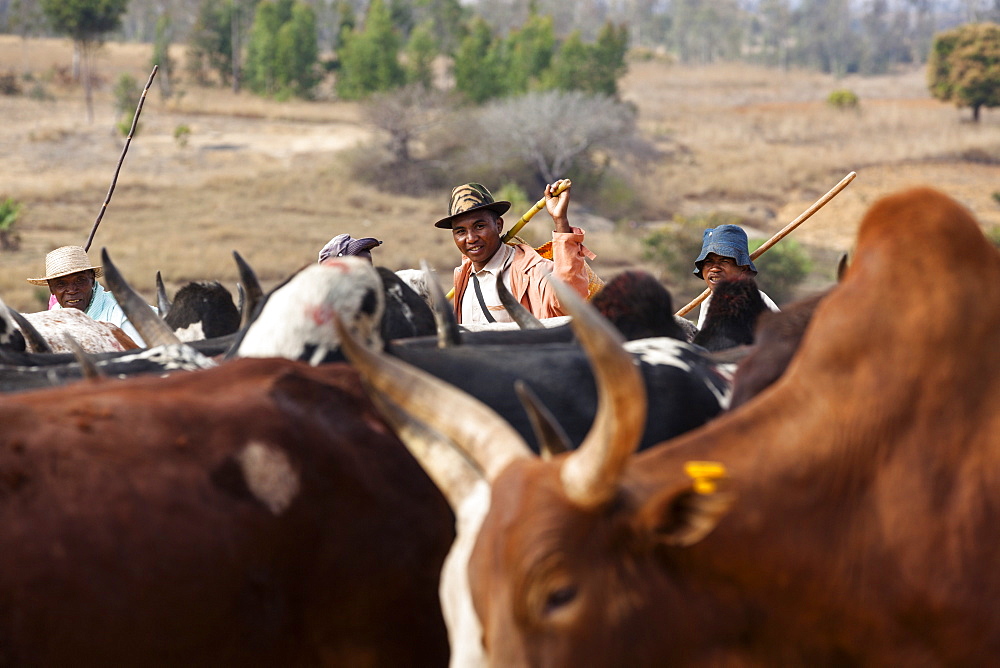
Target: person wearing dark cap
{"x":476,"y":224}
{"x":345,"y":244}
{"x":725,"y":256}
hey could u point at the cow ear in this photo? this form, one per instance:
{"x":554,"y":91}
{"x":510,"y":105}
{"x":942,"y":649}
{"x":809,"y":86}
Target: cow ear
{"x":684,"y":516}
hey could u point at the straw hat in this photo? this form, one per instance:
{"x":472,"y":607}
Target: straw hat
{"x":64,"y":261}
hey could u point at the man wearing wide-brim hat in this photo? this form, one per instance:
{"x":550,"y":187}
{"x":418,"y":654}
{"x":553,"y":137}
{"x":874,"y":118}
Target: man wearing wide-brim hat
{"x":72,"y":280}
{"x":724,"y":256}
{"x":476,"y":226}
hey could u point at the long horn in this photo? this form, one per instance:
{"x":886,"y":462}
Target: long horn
{"x":32,"y":337}
{"x":87,"y":362}
{"x":444,"y":315}
{"x":253,"y":294}
{"x":150,"y":326}
{"x":162,"y":300}
{"x":590,"y":474}
{"x":488,"y":441}
{"x":524,"y":318}
{"x":552,"y":440}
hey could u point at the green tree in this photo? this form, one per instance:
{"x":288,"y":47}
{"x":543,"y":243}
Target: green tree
{"x":369,"y":58}
{"x":86,"y":22}
{"x":570,"y":65}
{"x":964,"y":66}
{"x":608,"y":60}
{"x":297,"y":52}
{"x":161,"y":54}
{"x":210,"y":45}
{"x":262,"y":47}
{"x":421,"y":50}
{"x":478,"y":65}
{"x":528,"y":52}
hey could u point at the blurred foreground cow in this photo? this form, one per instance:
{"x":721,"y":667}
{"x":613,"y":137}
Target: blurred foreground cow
{"x":259,"y":513}
{"x":857,"y":524}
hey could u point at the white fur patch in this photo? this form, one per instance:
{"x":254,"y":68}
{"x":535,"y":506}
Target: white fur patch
{"x":269,"y":475}
{"x":193,"y":332}
{"x":465,"y":632}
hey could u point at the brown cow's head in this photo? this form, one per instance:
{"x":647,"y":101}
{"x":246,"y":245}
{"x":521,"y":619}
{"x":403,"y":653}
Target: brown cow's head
{"x":561,"y":539}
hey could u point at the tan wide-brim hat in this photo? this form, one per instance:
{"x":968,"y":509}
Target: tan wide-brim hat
{"x":64,"y":261}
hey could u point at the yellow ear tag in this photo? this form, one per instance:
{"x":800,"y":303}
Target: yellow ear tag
{"x":704,"y":475}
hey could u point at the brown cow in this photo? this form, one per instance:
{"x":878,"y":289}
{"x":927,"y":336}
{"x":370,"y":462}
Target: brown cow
{"x":863,"y":493}
{"x":259,"y":513}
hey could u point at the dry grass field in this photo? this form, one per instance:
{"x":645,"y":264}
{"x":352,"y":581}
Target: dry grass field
{"x":269,"y":179}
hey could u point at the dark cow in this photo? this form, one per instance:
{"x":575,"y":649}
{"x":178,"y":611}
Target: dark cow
{"x":776,"y":339}
{"x":259,"y":513}
{"x":202,"y":310}
{"x":640,"y":307}
{"x":847,"y":515}
{"x":732,"y":315}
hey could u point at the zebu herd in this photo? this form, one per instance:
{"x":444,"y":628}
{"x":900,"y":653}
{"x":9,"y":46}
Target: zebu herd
{"x":268,"y":502}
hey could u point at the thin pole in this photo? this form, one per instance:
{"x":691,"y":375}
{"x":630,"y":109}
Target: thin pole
{"x":817,"y":205}
{"x":128,"y":140}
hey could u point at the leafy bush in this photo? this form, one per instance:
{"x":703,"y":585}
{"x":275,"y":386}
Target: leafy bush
{"x":126,"y":94}
{"x":676,"y":245}
{"x":843,"y":99}
{"x":181,"y":135}
{"x":10,"y":210}
{"x":781,"y":268}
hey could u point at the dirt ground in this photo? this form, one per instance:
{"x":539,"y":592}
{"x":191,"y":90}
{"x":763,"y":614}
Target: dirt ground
{"x":268,"y":179}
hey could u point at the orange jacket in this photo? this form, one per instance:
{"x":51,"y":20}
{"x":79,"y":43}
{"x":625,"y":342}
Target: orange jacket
{"x":529,"y":272}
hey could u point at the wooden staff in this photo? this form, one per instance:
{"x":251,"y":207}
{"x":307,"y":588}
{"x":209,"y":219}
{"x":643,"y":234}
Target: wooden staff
{"x":522,"y":221}
{"x":817,"y":205}
{"x":128,"y":140}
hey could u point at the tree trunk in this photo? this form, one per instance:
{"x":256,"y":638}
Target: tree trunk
{"x":975,"y":113}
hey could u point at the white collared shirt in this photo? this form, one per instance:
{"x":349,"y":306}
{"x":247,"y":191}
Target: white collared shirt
{"x":499,"y":263}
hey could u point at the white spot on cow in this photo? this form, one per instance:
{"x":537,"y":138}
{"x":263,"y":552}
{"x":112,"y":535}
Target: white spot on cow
{"x":465,"y":632}
{"x":193,"y":332}
{"x":269,"y":475}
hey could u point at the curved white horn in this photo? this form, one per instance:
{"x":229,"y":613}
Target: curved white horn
{"x":590,"y":474}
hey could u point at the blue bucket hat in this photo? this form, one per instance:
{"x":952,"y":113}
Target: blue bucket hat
{"x":726,"y":241}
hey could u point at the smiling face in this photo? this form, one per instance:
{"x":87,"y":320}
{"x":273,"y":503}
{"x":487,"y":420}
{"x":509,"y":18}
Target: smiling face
{"x":718,"y":268}
{"x":477,"y":235}
{"x":74,"y":290}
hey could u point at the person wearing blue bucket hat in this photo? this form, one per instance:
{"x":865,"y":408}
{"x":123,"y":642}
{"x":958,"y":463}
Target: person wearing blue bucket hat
{"x":724,"y":256}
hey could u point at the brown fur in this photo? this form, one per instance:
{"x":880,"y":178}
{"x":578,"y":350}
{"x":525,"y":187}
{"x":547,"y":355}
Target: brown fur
{"x":867,"y":492}
{"x":133,"y":534}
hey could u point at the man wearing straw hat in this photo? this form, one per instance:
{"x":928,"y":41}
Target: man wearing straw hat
{"x":725,"y":256}
{"x":72,"y":280}
{"x":476,"y":225}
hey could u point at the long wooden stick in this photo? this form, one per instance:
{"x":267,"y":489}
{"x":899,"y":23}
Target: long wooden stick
{"x":522,"y":221}
{"x":817,"y":205}
{"x":128,"y":140}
